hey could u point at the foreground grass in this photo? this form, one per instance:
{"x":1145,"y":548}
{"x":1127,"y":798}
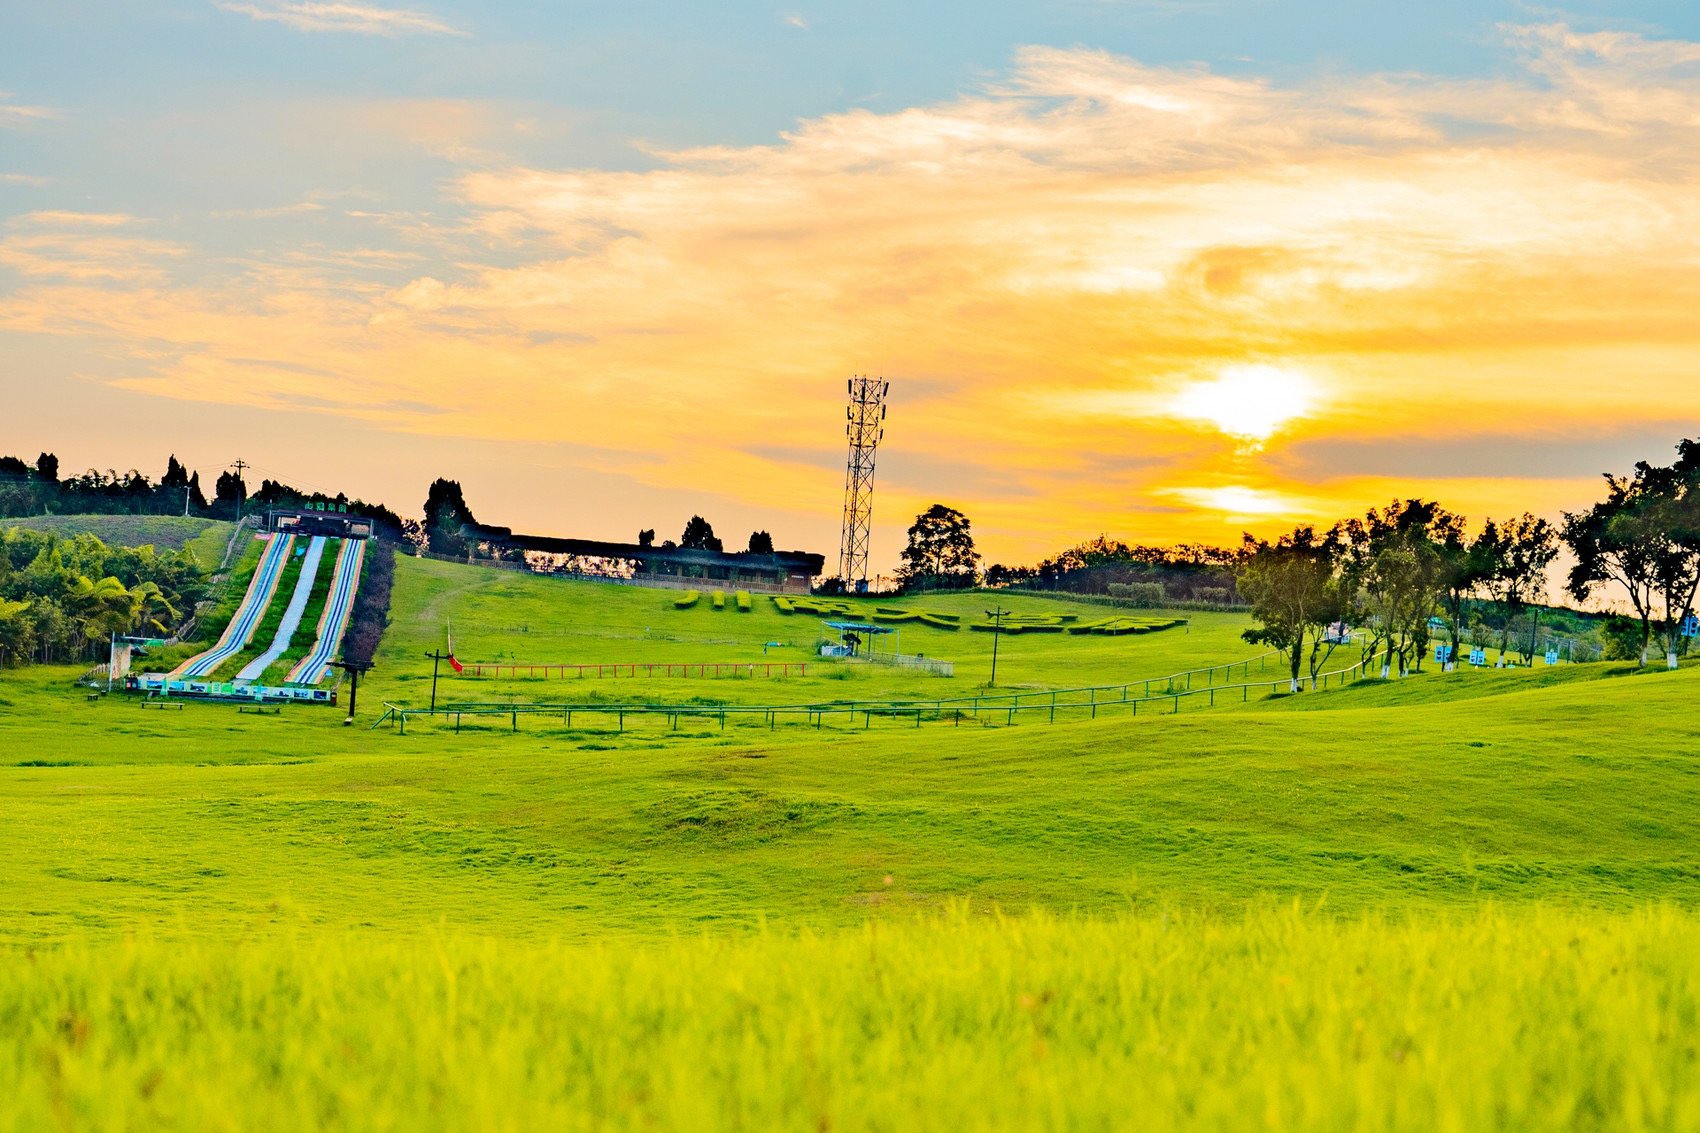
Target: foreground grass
{"x":1540,"y":1019}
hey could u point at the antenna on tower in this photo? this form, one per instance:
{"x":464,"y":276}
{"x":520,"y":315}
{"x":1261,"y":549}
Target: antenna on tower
{"x":865,"y":428}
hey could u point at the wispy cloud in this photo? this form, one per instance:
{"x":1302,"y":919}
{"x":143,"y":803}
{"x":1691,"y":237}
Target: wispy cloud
{"x":794,"y":20}
{"x":334,"y":16}
{"x":47,"y":218}
{"x":15,"y":114}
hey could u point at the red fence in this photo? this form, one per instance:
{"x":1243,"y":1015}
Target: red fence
{"x":692,"y":669}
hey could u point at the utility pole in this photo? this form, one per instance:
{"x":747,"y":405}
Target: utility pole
{"x":437,"y":657}
{"x":241,"y":466}
{"x":997,"y":617}
{"x":353,"y":669}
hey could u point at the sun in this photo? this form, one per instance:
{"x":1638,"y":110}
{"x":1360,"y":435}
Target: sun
{"x":1250,"y":401}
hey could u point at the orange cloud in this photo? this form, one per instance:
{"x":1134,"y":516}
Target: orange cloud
{"x":1045,"y":269}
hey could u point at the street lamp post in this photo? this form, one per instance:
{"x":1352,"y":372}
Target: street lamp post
{"x":997,"y":617}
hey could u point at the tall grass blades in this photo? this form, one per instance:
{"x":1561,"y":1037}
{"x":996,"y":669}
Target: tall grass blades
{"x":1535,"y":1020}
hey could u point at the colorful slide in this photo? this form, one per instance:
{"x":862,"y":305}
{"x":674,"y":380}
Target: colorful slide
{"x":248,"y":614}
{"x":291,"y":613}
{"x":338,"y":606}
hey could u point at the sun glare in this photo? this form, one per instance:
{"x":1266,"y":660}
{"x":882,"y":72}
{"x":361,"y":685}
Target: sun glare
{"x":1248,"y":401}
{"x":1237,"y":502}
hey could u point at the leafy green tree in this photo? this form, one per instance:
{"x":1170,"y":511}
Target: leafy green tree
{"x":940,"y":551}
{"x":1395,"y":571}
{"x":1293,"y":590}
{"x":1465,"y":568}
{"x":1521,"y":550}
{"x":1641,"y":539}
{"x":103,"y":607}
{"x":16,"y":636}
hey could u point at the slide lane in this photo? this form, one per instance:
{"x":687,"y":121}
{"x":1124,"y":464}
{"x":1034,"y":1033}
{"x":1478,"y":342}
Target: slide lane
{"x":334,"y":621}
{"x":291,"y":614}
{"x":248,"y":614}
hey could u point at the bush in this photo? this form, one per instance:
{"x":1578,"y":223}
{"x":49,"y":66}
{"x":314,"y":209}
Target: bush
{"x":686,"y":600}
{"x":1140,"y":593}
{"x":371,"y":603}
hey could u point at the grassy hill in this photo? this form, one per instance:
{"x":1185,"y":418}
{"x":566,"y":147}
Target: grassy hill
{"x":206,"y":538}
{"x":882,"y":928}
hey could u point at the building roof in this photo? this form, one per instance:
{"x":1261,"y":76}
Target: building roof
{"x":791,"y":562}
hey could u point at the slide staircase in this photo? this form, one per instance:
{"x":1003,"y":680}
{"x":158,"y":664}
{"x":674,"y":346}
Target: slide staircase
{"x":248,"y":615}
{"x":334,"y":621}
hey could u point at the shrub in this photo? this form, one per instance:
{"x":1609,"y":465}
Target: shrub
{"x":744,"y":603}
{"x":686,"y":600}
{"x":1140,"y":593}
{"x":371,"y":603}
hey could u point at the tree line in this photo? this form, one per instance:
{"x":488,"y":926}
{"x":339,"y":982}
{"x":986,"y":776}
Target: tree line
{"x":37,"y":488}
{"x":1400,"y":573}
{"x":62,"y":597}
{"x":939,"y":554}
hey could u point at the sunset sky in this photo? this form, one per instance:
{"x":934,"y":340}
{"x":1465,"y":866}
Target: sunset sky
{"x":1163,"y":269}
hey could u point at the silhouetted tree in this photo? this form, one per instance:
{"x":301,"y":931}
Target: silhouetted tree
{"x":761,"y":543}
{"x":699,"y":536}
{"x":47,"y":468}
{"x":229,"y":494}
{"x":445,"y":513}
{"x":646,"y":537}
{"x":940,"y":552}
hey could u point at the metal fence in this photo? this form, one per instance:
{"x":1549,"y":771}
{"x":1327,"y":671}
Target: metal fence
{"x":690,"y":669}
{"x":987,"y":708}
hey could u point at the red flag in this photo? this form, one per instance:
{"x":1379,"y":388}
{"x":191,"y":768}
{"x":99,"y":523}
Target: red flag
{"x":453,"y":664}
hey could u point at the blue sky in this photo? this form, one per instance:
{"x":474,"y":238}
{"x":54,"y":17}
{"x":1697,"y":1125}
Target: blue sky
{"x":160,"y":101}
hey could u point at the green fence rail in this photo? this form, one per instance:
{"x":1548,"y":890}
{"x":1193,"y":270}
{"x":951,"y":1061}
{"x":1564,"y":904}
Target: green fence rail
{"x":987,"y":708}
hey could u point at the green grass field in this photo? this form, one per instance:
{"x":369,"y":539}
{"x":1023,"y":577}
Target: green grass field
{"x":223,"y":920}
{"x":1277,"y":1020}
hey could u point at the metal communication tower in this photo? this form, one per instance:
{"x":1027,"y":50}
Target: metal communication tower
{"x":866,"y":416}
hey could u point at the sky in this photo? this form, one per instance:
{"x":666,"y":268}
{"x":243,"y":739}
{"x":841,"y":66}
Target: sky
{"x":1166,"y":270}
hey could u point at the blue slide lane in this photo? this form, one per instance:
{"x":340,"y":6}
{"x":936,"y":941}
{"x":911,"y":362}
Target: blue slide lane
{"x":334,"y":621}
{"x":291,"y":614}
{"x":248,"y":615}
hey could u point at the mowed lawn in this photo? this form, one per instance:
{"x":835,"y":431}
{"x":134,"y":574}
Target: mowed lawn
{"x":1451,"y":902}
{"x":503,"y":616}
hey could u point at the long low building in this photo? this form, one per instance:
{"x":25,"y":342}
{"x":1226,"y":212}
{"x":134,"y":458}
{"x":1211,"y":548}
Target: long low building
{"x":790,"y":572}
